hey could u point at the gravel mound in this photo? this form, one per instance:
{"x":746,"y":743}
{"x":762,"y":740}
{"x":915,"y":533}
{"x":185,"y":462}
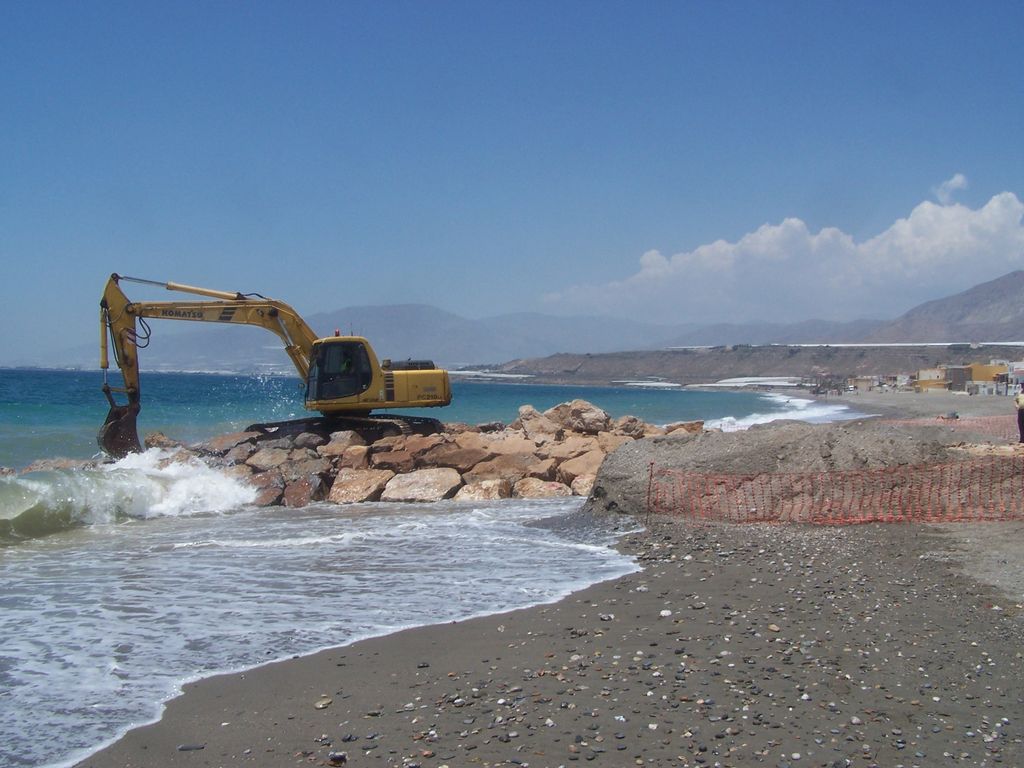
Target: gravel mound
{"x":778,"y":447}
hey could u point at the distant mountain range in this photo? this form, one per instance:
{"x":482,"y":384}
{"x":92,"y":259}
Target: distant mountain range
{"x":992,"y":311}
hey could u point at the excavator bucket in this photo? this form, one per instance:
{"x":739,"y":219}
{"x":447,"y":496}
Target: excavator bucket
{"x":119,"y":434}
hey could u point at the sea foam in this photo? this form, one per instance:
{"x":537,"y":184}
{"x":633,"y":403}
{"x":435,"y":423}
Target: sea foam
{"x":140,"y":486}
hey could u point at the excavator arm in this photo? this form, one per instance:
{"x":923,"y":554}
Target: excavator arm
{"x":123,"y":329}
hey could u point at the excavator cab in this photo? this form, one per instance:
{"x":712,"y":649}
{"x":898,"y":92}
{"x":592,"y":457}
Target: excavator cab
{"x":338,"y":368}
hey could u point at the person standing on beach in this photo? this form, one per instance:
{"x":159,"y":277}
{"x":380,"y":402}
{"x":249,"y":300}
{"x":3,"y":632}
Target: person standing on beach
{"x":1018,"y":400}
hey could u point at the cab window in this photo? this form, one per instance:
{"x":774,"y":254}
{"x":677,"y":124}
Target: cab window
{"x":340,"y":369}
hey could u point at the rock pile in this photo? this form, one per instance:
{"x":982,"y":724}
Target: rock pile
{"x":539,"y":455}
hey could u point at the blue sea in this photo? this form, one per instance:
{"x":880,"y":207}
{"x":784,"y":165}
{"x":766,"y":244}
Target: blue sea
{"x":137,"y":577}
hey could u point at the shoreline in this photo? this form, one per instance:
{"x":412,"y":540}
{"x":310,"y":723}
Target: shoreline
{"x":742,"y":645}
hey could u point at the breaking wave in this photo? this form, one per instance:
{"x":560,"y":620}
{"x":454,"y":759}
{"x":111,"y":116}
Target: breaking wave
{"x":801,"y":409}
{"x":140,"y":486}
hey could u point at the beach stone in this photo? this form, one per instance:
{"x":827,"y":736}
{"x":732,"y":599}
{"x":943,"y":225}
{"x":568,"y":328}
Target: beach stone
{"x":396,"y":461}
{"x":587,"y":464}
{"x":512,"y":467}
{"x":268,"y":458}
{"x":356,"y":485}
{"x":340,"y":441}
{"x":454,"y":456}
{"x":580,"y":416}
{"x":536,"y":425}
{"x":7,"y":471}
{"x":355,"y":457}
{"x":302,"y":491}
{"x":423,"y":485}
{"x":485,"y":490}
{"x":583,"y":484}
{"x":309,"y":440}
{"x":534,"y":488}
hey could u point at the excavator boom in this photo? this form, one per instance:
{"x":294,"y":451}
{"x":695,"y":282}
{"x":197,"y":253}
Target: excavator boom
{"x":342,"y":374}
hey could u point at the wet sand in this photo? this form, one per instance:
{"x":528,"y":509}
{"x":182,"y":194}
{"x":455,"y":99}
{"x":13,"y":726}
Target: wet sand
{"x":879,"y":645}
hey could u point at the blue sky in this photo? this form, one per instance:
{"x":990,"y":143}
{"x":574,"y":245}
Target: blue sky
{"x":675,"y":162}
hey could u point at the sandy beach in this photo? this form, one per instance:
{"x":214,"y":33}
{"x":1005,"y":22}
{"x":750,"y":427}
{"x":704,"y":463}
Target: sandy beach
{"x":923,"y":404}
{"x":874,"y":645}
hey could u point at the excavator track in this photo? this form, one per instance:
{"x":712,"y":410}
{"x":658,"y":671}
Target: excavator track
{"x":371,"y":427}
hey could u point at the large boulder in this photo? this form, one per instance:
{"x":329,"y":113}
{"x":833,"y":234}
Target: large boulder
{"x":510,"y":442}
{"x":355,"y":457}
{"x":309,"y":440}
{"x":475,"y":440}
{"x":423,"y":485}
{"x":306,"y":467}
{"x":609,"y":441}
{"x":396,"y":461}
{"x":583,"y":485}
{"x":269,"y":487}
{"x":268,"y":458}
{"x":543,"y":469}
{"x":570,"y":448}
{"x":224,"y":443}
{"x":511,"y":467}
{"x":340,"y":441}
{"x":537,"y":426}
{"x":240,"y":453}
{"x":587,"y":464}
{"x":485,"y":490}
{"x":302,"y":491}
{"x":354,"y":485}
{"x":580,"y":416}
{"x":532,"y":488}
{"x":454,"y":456}
{"x":692,"y":427}
{"x":417,"y":445}
{"x":631,"y":426}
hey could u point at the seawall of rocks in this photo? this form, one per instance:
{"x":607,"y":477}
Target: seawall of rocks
{"x":539,"y":455}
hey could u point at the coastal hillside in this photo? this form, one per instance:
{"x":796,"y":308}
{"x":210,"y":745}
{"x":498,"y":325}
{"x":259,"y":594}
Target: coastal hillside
{"x":706,"y":365}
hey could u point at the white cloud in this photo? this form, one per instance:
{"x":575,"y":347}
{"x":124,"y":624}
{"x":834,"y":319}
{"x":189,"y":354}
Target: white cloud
{"x":944,"y":192}
{"x":784,"y":272}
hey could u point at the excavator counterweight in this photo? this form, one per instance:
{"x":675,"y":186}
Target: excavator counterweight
{"x":342,"y":374}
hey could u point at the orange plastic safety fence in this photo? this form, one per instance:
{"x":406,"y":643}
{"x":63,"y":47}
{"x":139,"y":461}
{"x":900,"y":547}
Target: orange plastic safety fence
{"x":976,"y":490}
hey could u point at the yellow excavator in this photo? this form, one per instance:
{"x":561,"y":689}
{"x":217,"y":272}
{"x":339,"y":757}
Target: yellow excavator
{"x":344,"y":380}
